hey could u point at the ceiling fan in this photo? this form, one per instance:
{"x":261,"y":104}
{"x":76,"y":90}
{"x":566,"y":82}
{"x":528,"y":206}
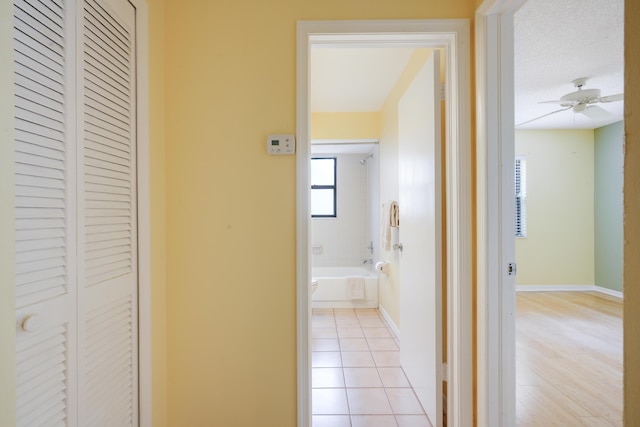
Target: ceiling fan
{"x":581,"y":101}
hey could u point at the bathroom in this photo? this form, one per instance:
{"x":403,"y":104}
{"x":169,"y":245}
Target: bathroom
{"x":358,"y":377}
{"x":345,"y":232}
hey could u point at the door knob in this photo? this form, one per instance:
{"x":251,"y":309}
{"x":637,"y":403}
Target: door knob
{"x":32,"y":323}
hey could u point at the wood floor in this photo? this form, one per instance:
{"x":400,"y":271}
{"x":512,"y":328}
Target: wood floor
{"x":568,"y":359}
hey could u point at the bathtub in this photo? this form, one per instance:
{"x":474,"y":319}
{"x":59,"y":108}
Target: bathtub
{"x":333,"y":291}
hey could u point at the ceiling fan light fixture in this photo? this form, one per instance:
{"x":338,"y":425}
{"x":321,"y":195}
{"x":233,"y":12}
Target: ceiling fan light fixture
{"x":579,"y":108}
{"x":581,"y":95}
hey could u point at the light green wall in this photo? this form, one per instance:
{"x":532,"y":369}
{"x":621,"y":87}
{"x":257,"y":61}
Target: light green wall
{"x":7,"y":250}
{"x":559,"y":247}
{"x":608,"y":206}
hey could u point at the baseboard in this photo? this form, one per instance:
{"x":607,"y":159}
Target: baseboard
{"x":568,"y":288}
{"x":390,"y":322}
{"x":553,"y":288}
{"x":608,"y":291}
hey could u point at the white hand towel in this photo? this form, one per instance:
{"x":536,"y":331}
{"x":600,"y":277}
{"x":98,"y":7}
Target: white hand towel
{"x":356,"y":287}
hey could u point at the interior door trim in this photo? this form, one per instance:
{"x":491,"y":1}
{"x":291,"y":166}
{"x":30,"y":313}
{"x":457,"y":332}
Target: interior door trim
{"x":495,"y":241}
{"x":453,"y":36}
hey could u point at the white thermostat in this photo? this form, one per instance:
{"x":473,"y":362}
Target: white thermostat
{"x":281,"y":144}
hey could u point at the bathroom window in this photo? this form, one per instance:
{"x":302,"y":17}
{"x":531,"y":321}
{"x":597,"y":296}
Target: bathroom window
{"x":323,"y":187}
{"x":521,"y":196}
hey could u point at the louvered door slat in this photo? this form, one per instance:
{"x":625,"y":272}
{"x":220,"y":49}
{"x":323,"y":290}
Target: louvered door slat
{"x":116,"y":197}
{"x":38,"y":265}
{"x":109,"y":239}
{"x":44,"y":70}
{"x":101,"y":180}
{"x":35,"y":255}
{"x":109,"y":360}
{"x":40,"y":192}
{"x":27,"y":78}
{"x":46,"y":141}
{"x":99,"y":94}
{"x":107,"y":51}
{"x":52,"y":417}
{"x":106,"y":149}
{"x":112,"y":250}
{"x":103,"y":59}
{"x":28,"y":147}
{"x":100,"y":245}
{"x":101,"y":161}
{"x":51,"y":100}
{"x":109,"y":28}
{"x":109,"y":127}
{"x":94,"y":133}
{"x":50,"y":22}
{"x":96,"y":102}
{"x":40,"y":152}
{"x":34,"y":395}
{"x":40,"y":244}
{"x":37,"y":31}
{"x":41,"y":377}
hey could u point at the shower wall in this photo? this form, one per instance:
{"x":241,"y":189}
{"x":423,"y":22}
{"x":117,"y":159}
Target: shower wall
{"x":344,"y":240}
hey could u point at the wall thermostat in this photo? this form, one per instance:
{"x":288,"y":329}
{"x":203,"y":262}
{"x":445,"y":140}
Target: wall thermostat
{"x":281,"y":144}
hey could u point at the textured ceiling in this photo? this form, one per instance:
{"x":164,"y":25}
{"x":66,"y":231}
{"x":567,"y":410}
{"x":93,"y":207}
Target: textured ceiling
{"x":557,"y":41}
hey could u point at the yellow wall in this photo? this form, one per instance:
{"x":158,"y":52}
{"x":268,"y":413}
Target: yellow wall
{"x":346,"y":125}
{"x":7,"y":237}
{"x":230,"y":81}
{"x":559,"y":247}
{"x":631,"y":275}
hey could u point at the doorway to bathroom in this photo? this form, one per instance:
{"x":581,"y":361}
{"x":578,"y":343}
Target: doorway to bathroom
{"x":448,"y":36}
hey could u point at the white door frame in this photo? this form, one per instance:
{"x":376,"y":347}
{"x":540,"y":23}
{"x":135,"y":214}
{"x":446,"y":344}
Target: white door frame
{"x":453,"y":36}
{"x":144,"y":216}
{"x":495,"y":238}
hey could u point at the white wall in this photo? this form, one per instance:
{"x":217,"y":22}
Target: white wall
{"x":373,"y":187}
{"x":344,"y":239}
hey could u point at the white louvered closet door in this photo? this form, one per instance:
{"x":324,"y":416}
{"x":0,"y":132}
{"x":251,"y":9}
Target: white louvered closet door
{"x":45,"y":170}
{"x":107,"y":237}
{"x":76,"y":235}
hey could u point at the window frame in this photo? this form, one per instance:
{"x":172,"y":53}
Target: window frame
{"x":520,"y":196}
{"x":333,"y":187}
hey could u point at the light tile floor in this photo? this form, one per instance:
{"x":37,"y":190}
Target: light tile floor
{"x":357,"y":379}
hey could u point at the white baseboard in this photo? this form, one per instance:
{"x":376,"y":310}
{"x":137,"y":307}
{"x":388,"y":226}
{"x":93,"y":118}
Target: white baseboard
{"x":568,"y":288}
{"x":390,"y":322}
{"x":608,"y":291}
{"x":553,"y":288}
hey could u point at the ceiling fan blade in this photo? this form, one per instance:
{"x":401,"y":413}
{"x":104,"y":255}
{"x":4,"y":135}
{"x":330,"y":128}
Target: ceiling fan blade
{"x":612,"y":98}
{"x":542,"y":116}
{"x":596,"y":113}
{"x":555,"y":101}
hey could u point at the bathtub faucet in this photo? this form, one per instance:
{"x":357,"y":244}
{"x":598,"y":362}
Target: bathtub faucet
{"x":368,"y":261}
